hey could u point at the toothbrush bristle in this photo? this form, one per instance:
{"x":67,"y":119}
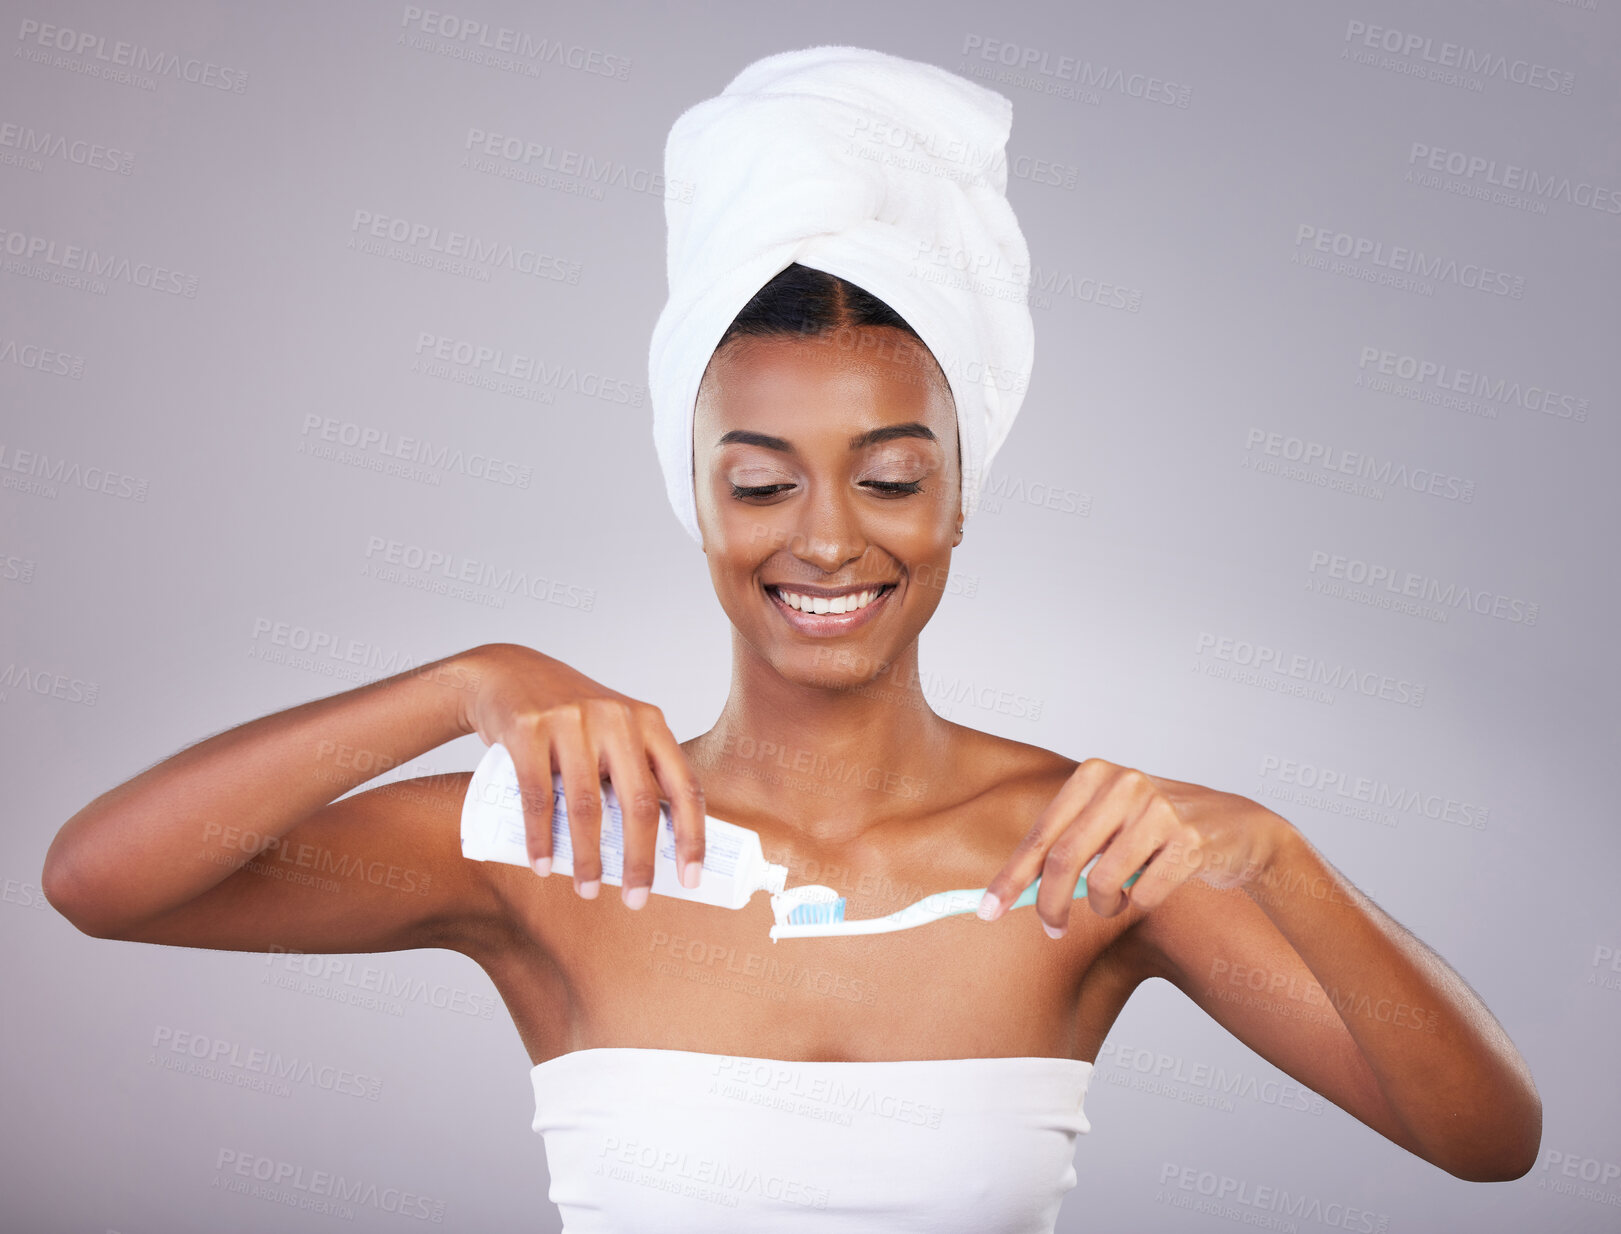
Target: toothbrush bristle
{"x":818,"y":914}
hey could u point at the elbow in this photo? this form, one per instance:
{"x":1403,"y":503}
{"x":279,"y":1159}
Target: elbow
{"x":1496,"y":1168}
{"x":1527,"y":1147}
{"x":1509,"y":1154}
{"x":65,"y":890}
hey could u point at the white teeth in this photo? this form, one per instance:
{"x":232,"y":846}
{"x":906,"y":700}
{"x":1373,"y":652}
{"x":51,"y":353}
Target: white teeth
{"x":822,"y":604}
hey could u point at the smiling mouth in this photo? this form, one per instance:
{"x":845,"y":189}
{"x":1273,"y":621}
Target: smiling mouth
{"x":815,"y":605}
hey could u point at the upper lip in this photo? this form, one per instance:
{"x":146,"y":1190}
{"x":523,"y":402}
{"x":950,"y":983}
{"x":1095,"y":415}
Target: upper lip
{"x":805,"y":589}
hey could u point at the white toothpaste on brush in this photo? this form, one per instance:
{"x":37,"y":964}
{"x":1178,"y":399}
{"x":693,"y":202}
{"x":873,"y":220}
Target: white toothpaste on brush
{"x":492,"y":830}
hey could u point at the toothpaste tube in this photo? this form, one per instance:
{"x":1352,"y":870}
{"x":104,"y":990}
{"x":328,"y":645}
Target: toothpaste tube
{"x":493,"y":830}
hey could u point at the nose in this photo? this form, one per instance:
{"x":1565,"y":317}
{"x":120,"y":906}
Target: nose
{"x":829,"y":533}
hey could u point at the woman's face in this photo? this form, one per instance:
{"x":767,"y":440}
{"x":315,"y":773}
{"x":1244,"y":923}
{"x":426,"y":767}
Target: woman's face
{"x":827,"y":467}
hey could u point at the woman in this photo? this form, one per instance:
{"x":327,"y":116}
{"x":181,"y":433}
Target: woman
{"x":823,"y":447}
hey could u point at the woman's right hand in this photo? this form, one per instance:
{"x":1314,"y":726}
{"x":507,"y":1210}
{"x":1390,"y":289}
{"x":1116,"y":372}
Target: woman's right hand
{"x":552,"y":718}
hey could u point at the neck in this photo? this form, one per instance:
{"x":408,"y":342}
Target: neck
{"x":830,"y":760}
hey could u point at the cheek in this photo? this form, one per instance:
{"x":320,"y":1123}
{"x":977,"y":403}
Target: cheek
{"x":739,"y":532}
{"x":925,"y":524}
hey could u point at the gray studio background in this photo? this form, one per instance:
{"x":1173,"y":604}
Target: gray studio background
{"x":196,"y":504}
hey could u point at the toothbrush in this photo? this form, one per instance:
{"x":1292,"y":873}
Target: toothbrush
{"x":815,"y":911}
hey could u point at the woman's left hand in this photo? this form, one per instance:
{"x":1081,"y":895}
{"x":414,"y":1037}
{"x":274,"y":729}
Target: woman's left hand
{"x":1131,"y":819}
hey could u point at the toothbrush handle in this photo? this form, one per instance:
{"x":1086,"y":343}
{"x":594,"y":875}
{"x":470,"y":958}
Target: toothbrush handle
{"x":1028,"y":896}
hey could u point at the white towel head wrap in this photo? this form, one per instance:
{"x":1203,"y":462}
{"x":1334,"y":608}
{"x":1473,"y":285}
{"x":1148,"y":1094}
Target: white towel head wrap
{"x":888,"y":173}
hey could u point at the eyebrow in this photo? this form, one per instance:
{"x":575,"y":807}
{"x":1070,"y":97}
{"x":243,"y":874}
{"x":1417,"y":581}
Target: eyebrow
{"x":860,"y":441}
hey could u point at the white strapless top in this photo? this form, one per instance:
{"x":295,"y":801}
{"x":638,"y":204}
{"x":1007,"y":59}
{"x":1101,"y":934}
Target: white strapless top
{"x":676,"y":1141}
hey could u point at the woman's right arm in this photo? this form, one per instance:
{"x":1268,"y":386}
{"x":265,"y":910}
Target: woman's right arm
{"x":237,"y":842}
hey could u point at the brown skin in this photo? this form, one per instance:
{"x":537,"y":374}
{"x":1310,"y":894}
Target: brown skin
{"x":863,"y":787}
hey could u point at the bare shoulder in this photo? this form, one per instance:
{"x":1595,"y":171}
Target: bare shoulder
{"x":1020,"y":768}
{"x":1023,"y":780}
{"x":999,"y":788}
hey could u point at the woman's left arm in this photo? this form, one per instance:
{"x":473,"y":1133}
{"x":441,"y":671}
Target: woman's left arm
{"x":1239,"y":911}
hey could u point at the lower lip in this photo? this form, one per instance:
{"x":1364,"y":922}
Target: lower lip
{"x":825,"y":624}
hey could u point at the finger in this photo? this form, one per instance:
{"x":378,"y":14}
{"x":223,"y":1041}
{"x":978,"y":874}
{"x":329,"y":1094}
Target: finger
{"x":1176,"y":861}
{"x":637,"y":794}
{"x":685,"y":794}
{"x":532,"y":760}
{"x":579,"y":763}
{"x":1102,"y":824}
{"x":1143,"y":835}
{"x":1026,"y":862}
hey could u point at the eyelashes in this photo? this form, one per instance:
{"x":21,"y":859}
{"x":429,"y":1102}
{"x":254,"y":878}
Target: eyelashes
{"x":890,"y":488}
{"x":897,"y":488}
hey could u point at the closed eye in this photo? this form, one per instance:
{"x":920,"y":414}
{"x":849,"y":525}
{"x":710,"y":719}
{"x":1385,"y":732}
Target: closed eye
{"x":897,"y":488}
{"x":890,"y":488}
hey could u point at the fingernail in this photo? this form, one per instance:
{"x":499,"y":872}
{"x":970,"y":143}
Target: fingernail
{"x":1052,"y":932}
{"x":988,"y":907}
{"x":635,"y":897}
{"x":589,"y":890}
{"x":543,"y":866}
{"x":691,"y":873}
